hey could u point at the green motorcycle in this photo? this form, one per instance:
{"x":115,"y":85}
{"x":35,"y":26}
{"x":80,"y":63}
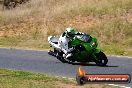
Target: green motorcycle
{"x":84,"y":50}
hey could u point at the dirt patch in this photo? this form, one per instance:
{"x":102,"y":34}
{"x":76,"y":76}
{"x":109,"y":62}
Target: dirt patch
{"x":55,"y":26}
{"x":82,"y":22}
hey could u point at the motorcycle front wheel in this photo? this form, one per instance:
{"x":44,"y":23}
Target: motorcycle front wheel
{"x":101,"y":59}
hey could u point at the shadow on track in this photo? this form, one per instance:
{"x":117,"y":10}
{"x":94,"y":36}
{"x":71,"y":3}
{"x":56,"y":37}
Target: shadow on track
{"x":89,"y":64}
{"x":83,"y":64}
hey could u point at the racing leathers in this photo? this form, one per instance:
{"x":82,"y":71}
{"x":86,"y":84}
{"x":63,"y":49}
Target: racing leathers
{"x":63,"y":43}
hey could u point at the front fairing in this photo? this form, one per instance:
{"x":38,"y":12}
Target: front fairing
{"x":89,"y":48}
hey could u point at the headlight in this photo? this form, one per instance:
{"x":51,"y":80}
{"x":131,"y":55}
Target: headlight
{"x":93,"y":44}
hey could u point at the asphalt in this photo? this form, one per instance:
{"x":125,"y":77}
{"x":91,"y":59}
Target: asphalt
{"x":41,"y":62}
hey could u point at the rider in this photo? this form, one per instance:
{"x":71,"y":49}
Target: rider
{"x":65,"y":38}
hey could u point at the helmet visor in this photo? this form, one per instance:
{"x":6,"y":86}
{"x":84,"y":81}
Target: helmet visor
{"x":71,"y":34}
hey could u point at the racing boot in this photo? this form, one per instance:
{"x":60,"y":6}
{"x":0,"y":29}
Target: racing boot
{"x":68,"y":55}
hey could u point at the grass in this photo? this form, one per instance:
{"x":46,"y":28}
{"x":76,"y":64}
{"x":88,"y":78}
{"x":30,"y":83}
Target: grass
{"x":103,"y":7}
{"x":30,"y":24}
{"x":22,"y":79}
{"x":15,"y":42}
{"x":114,"y":36}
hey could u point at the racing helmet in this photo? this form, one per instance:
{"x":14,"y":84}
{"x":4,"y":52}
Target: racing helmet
{"x":70,"y":32}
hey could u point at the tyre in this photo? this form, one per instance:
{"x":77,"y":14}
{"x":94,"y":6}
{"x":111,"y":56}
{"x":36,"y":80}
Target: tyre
{"x":59,"y":56}
{"x":51,"y":53}
{"x":101,"y":59}
{"x":80,"y":80}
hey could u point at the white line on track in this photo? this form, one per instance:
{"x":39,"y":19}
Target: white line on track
{"x":119,"y":56}
{"x":118,"y":86}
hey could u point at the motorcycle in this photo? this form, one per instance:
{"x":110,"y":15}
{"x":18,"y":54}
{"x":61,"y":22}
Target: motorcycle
{"x":84,"y":50}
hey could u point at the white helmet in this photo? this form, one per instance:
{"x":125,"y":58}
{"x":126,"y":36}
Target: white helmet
{"x":70,"y":32}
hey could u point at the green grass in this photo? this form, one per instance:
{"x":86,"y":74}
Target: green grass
{"x":15,"y":42}
{"x":114,"y":36}
{"x":22,"y":79}
{"x":10,"y":41}
{"x":115,"y":49}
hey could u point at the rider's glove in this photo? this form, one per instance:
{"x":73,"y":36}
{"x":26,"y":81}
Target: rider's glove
{"x":79,"y":33}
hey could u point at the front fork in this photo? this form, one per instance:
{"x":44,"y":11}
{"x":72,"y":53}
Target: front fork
{"x":96,"y":51}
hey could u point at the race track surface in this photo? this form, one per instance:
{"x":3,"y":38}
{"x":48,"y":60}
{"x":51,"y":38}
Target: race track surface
{"x":41,"y":62}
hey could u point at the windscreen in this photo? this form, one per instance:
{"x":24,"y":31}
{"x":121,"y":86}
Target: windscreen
{"x":86,"y":38}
